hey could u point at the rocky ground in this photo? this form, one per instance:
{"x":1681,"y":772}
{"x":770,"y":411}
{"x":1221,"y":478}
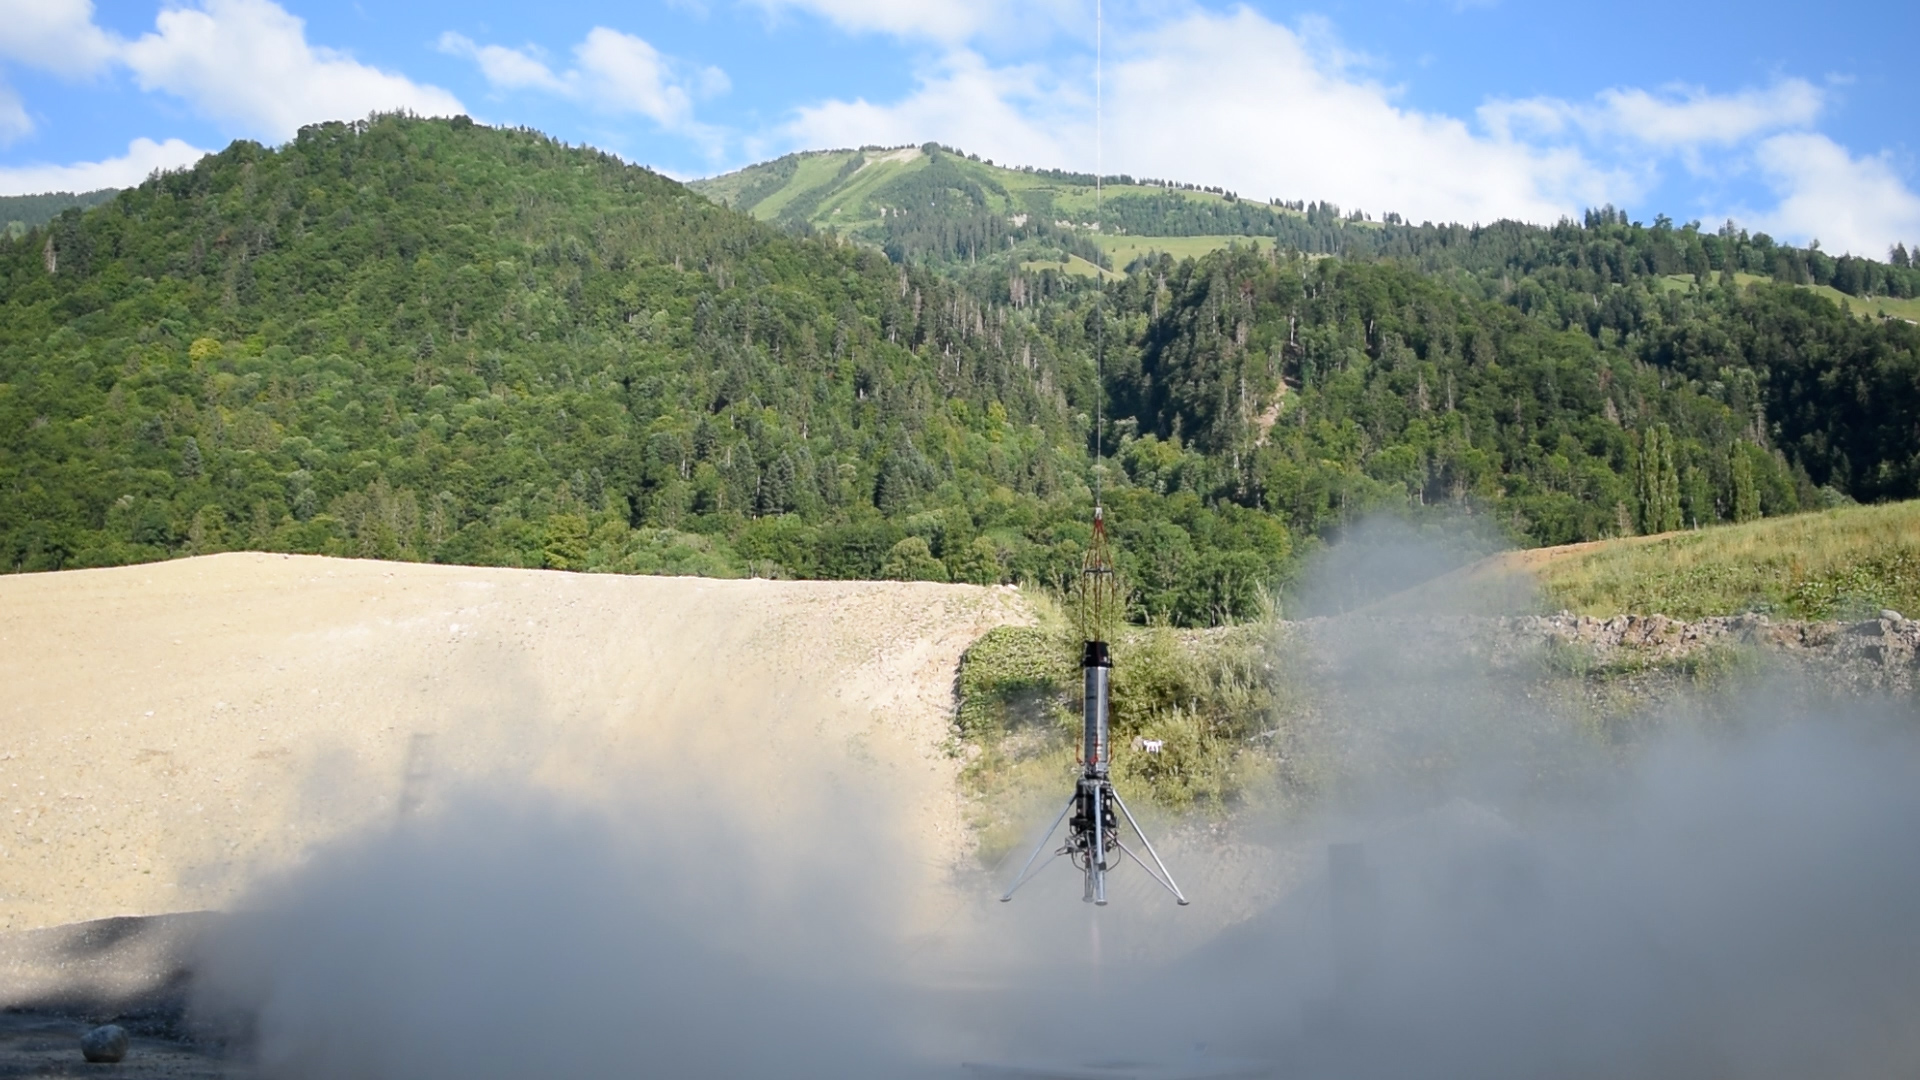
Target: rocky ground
{"x":43,"y":1044}
{"x":131,"y":972}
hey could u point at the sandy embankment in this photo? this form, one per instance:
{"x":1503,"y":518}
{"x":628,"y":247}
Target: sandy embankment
{"x":170,"y":732}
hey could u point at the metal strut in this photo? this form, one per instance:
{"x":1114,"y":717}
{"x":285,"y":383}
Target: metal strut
{"x":1041,"y":846}
{"x":1088,"y":841}
{"x":1165,"y":876}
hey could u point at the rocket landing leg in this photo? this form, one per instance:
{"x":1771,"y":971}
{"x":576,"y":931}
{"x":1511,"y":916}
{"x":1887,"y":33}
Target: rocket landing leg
{"x":1091,"y":835}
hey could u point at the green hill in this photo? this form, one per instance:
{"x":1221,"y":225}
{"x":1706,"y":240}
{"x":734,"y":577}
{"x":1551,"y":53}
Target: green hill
{"x":434,"y":340}
{"x":932,"y":202}
{"x":935,"y":203}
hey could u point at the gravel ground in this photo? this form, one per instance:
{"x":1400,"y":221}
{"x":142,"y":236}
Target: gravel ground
{"x":172,"y":731}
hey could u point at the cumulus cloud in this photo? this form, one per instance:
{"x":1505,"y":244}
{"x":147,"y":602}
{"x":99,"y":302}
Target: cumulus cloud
{"x":142,"y":159}
{"x":1856,"y":205}
{"x":54,"y":35}
{"x":625,"y":73}
{"x":248,"y":63}
{"x":1021,"y":114}
{"x":1679,"y":117}
{"x":245,"y":63}
{"x":1238,"y":100}
{"x":1235,"y":99}
{"x":504,"y":68}
{"x":613,"y":72}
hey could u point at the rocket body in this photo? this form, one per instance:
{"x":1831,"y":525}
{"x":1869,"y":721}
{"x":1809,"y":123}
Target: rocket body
{"x":1094,"y":830}
{"x":1096,"y":665}
{"x":1094,"y":809}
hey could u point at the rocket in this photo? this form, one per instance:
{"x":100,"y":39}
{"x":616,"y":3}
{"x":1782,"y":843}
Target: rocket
{"x":1094,"y":810}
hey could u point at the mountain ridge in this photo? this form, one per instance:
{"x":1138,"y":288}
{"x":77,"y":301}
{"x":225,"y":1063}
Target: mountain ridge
{"x":429,"y":339}
{"x":869,"y":194}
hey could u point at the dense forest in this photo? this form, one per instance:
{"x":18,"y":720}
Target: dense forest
{"x":18,"y":213}
{"x":434,"y":340}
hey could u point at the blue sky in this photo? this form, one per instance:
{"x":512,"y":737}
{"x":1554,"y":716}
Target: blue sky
{"x":1776,"y":115}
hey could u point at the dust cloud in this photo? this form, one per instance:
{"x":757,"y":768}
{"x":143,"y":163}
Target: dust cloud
{"x":1486,"y":886}
{"x":513,"y":934}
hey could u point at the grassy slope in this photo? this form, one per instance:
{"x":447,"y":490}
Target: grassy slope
{"x":1834,"y":564}
{"x":1866,"y":307}
{"x":846,"y":204}
{"x":1908,"y":309}
{"x":1125,"y":249}
{"x":1839,"y":563}
{"x":1072,"y":264}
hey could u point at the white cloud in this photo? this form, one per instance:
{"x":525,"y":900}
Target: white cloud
{"x":1017,"y":114}
{"x":504,"y":68}
{"x":1681,"y":118}
{"x":1856,"y":205}
{"x":1021,"y":24}
{"x":143,"y":156}
{"x":625,"y":74}
{"x":941,"y":20}
{"x":14,"y":121}
{"x":1237,"y":100}
{"x":54,"y":35}
{"x":613,"y":72}
{"x":248,"y":64}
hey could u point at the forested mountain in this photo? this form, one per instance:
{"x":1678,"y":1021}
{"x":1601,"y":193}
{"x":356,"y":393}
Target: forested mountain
{"x":934,"y":203}
{"x":18,"y":213}
{"x":434,"y":340}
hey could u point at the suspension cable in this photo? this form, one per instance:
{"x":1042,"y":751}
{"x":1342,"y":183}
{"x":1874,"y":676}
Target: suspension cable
{"x":1099,"y":273}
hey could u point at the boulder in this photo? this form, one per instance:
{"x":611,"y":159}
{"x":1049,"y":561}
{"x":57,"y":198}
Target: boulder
{"x":105,"y":1044}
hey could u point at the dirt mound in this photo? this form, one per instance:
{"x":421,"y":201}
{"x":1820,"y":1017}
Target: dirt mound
{"x":172,"y":731}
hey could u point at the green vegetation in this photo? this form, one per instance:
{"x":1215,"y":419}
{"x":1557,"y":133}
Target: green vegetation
{"x":1871,"y":307}
{"x":1125,"y":250}
{"x":1529,"y":400}
{"x":1071,"y":264}
{"x":1907,"y":308}
{"x":1840,"y":564}
{"x":433,"y":340}
{"x":18,"y":213}
{"x":936,"y":203}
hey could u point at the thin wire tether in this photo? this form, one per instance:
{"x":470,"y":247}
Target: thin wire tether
{"x":1099,"y":273}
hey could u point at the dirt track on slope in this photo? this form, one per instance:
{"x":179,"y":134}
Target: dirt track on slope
{"x":172,"y":731}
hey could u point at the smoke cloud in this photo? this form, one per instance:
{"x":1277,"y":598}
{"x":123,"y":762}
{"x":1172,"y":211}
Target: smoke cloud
{"x":1490,"y":882}
{"x":516,"y":934}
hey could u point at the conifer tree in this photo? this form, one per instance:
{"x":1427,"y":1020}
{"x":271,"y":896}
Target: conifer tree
{"x":1658,"y":482}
